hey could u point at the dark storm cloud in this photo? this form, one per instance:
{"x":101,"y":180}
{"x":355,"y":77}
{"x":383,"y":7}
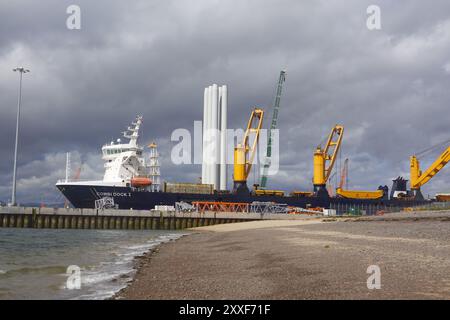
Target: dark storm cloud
{"x":388,"y":87}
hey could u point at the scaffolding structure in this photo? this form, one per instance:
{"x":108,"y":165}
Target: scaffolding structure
{"x":68,"y":165}
{"x":154,"y":166}
{"x":268,"y":207}
{"x":217,"y":206}
{"x":182,"y":206}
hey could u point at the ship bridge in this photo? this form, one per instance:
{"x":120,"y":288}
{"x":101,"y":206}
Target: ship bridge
{"x":111,"y":151}
{"x":123,"y":161}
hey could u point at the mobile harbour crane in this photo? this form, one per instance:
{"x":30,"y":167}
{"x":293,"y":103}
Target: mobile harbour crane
{"x":324,"y":160}
{"x":419,"y":178}
{"x":244,"y":153}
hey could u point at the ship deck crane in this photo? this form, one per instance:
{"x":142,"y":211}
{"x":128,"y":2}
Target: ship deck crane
{"x":324,"y":160}
{"x":419,"y":178}
{"x":244,"y":153}
{"x":273,"y":126}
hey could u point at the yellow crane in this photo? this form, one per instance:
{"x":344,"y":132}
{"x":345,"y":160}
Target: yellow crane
{"x":324,"y":160}
{"x":419,"y":178}
{"x":244,"y":153}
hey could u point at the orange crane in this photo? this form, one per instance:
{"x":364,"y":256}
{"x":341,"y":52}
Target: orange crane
{"x":343,"y":192}
{"x":76,"y":177}
{"x":344,"y":175}
{"x":330,"y":187}
{"x":77,"y":174}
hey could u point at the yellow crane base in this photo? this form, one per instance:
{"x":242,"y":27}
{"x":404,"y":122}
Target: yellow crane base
{"x":302,"y":193}
{"x":352,"y":194}
{"x":264,"y":192}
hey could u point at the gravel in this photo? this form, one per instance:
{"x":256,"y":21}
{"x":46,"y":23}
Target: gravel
{"x":301,"y":261}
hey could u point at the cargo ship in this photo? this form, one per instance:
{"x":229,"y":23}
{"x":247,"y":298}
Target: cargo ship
{"x":127,"y":184}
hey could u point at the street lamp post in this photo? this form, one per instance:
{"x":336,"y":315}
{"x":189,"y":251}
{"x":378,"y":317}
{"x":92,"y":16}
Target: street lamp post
{"x":21,"y":71}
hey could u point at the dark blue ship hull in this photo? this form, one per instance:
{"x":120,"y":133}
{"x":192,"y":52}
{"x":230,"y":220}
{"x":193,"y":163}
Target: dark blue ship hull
{"x":128,"y":198}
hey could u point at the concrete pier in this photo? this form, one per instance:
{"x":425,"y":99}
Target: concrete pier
{"x":62,"y":218}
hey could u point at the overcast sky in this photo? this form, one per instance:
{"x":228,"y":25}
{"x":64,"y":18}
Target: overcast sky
{"x":390,"y":88}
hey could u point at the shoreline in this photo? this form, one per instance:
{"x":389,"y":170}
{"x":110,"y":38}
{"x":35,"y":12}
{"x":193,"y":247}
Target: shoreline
{"x":143,"y":261}
{"x":314,"y":258}
{"x":105,"y":260}
{"x":140,"y":261}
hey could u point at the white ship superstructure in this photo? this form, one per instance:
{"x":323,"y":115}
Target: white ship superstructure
{"x":125,"y":164}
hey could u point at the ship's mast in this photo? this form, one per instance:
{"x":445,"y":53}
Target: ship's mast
{"x":154,"y":166}
{"x":132,"y":132}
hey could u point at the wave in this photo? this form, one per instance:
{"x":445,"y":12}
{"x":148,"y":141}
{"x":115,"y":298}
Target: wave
{"x":110,"y":277}
{"x":38,"y":269}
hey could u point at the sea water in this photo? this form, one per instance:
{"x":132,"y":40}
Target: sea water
{"x":34,"y":263}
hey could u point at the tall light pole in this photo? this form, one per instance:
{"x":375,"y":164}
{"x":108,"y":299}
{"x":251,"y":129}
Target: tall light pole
{"x":21,"y":71}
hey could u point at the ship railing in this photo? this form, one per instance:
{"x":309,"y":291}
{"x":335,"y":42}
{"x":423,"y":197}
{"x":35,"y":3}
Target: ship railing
{"x":72,"y":180}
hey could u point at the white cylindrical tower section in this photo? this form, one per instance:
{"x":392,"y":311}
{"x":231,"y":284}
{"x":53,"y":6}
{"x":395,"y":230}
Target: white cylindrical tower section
{"x":218,"y":137}
{"x":223,"y":137}
{"x":205,"y":119}
{"x":214,"y":154}
{"x":207,"y":138}
{"x":214,"y":137}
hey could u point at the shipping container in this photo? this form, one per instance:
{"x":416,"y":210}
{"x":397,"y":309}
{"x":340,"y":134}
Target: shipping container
{"x":193,"y":188}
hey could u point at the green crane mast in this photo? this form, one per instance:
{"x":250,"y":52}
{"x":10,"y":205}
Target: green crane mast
{"x":273,"y":126}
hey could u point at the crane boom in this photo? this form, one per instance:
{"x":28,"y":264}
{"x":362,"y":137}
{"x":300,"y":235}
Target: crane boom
{"x":332,"y":148}
{"x":273,"y":126}
{"x":244,"y":153}
{"x":418,"y":178}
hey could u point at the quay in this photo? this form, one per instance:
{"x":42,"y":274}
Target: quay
{"x":62,"y":218}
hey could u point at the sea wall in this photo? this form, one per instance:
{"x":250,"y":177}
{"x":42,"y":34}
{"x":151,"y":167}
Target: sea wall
{"x":61,"y":218}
